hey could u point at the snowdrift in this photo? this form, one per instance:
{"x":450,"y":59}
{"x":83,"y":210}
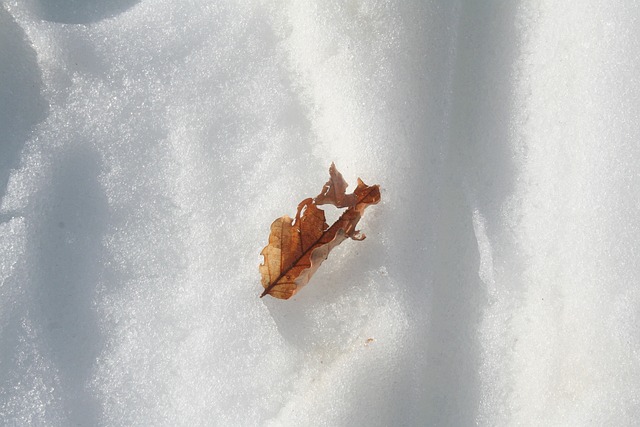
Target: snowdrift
{"x":144,"y":149}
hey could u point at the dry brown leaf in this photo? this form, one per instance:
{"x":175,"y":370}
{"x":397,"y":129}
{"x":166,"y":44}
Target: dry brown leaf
{"x":298,"y":246}
{"x":334,"y":190}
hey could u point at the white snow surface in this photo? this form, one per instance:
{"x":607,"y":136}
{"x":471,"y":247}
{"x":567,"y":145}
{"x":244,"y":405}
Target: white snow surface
{"x":147,"y":145}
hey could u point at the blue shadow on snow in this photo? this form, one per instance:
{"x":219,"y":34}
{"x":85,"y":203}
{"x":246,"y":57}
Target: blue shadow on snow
{"x":67,"y":261}
{"x":82,"y":11}
{"x":21,"y":103}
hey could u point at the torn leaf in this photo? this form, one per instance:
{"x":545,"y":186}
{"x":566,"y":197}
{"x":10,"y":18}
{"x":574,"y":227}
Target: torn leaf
{"x":297,"y":247}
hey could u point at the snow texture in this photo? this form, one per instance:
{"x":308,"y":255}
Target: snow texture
{"x":147,"y":145}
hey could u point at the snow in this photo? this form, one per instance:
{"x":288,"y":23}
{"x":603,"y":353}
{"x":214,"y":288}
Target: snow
{"x":147,"y":145}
